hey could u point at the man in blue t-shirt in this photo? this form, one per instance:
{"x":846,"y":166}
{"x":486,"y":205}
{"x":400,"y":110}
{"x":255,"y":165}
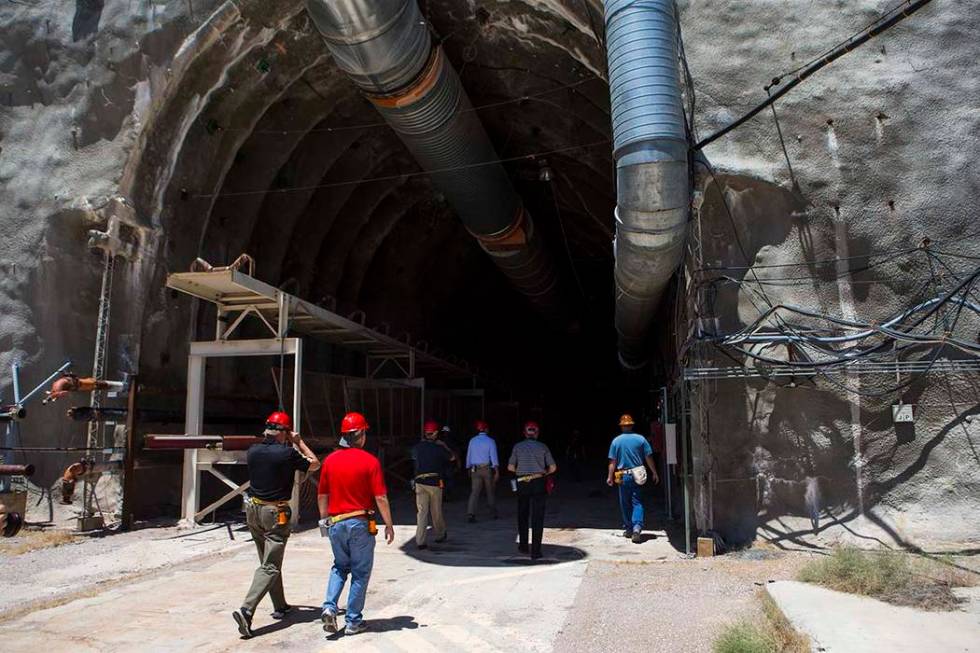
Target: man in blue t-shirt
{"x":627,"y":453}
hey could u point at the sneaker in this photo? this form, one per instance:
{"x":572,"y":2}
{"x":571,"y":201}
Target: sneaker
{"x":353,"y":629}
{"x":243,"y":618}
{"x":471,"y":519}
{"x":628,"y":533}
{"x":329,"y":620}
{"x":282,"y":612}
{"x":637,"y":537}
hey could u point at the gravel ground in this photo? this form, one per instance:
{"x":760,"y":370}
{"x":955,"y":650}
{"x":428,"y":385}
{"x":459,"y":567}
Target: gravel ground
{"x":673,"y":606}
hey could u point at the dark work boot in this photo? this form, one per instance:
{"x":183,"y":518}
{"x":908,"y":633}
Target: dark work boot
{"x":243,"y":618}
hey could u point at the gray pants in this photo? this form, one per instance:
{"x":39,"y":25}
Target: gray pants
{"x":270,"y":542}
{"x":481,"y":477}
{"x":428,"y":500}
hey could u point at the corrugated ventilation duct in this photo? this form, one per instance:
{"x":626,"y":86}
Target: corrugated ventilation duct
{"x":650,"y":148}
{"x":385,"y":48}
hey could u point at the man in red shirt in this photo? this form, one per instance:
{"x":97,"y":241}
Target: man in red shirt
{"x":351,"y":483}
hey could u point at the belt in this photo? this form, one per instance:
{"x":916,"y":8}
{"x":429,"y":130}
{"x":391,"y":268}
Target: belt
{"x":482,"y":466}
{"x":262,"y":502}
{"x":427,"y":475}
{"x":333,"y":519}
{"x":529,"y":477}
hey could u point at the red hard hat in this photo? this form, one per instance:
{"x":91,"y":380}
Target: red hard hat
{"x":431,"y":426}
{"x":354,"y":422}
{"x":481,"y":425}
{"x":531,"y":427}
{"x":279,"y":419}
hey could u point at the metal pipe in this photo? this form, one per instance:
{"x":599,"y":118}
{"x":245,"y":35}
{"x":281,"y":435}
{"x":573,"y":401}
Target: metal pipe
{"x":385,"y":48}
{"x":226,"y":442}
{"x":684,"y":470}
{"x":12,"y":413}
{"x":16,"y":470}
{"x":650,"y":148}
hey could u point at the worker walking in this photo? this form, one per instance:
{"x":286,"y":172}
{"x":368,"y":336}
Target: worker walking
{"x":272,"y":467}
{"x":627,"y":454}
{"x":351,"y":484}
{"x":481,"y":460}
{"x":431,"y":458}
{"x":532,"y":462}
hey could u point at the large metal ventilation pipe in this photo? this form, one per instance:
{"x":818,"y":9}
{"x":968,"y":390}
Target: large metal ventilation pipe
{"x":650,"y":148}
{"x":385,"y":48}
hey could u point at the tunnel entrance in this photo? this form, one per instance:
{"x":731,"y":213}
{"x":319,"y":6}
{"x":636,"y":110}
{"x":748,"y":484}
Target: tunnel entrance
{"x":266,"y":147}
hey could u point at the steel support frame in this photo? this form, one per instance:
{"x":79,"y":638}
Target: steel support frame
{"x":202,"y":460}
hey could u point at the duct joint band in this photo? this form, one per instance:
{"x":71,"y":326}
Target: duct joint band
{"x":513,"y":237}
{"x":417,"y":88}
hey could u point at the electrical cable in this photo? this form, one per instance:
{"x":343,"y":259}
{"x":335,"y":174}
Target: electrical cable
{"x":404,"y":175}
{"x":838,"y":52}
{"x":568,"y":249}
{"x":380,"y":123}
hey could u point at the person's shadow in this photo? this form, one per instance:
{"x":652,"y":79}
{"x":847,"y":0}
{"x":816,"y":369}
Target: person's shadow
{"x":300,"y":614}
{"x":382,"y":626}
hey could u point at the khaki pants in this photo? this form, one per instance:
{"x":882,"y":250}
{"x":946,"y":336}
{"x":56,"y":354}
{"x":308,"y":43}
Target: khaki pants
{"x":481,"y":477}
{"x":270,"y":542}
{"x":428,"y":500}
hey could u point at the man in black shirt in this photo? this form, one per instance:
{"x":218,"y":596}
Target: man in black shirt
{"x":431,"y":458}
{"x":272,"y":467}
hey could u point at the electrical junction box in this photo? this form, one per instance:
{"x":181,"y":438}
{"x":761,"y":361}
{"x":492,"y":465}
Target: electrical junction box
{"x":902,"y":414}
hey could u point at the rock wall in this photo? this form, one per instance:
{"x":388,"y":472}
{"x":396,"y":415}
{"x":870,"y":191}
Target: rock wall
{"x":877,"y":158}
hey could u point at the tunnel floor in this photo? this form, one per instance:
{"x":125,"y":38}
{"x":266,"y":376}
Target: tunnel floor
{"x":475,"y":594}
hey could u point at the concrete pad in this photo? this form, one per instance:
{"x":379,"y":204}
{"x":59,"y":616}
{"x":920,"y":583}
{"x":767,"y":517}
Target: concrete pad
{"x":846,"y":623}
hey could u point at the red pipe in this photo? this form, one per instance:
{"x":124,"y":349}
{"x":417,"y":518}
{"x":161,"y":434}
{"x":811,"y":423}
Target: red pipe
{"x":16,"y":470}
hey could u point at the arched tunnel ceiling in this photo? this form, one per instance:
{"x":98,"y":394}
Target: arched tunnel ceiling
{"x":286,"y":161}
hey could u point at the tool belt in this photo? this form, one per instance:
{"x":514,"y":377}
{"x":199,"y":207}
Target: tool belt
{"x":282,"y":508}
{"x":527,"y":478}
{"x":367,"y":515}
{"x":426,"y":475}
{"x":334,"y":519}
{"x":262,"y":502}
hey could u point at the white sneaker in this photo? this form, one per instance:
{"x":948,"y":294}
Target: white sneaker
{"x":329,"y":619}
{"x":353,"y":629}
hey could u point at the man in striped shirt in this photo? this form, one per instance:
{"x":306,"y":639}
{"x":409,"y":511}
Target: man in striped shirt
{"x":531,"y":461}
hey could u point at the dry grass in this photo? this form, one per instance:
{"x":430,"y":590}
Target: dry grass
{"x":772,"y":634}
{"x":28,"y":541}
{"x":896,"y":577}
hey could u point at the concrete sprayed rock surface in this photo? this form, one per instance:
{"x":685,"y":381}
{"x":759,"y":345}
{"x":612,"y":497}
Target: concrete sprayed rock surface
{"x":191,"y":111}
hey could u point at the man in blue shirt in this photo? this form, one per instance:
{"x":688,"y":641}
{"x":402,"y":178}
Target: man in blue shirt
{"x":481,"y":461}
{"x":627,"y":453}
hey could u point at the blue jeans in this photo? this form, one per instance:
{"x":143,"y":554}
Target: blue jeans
{"x":631,"y":504}
{"x":353,"y":553}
